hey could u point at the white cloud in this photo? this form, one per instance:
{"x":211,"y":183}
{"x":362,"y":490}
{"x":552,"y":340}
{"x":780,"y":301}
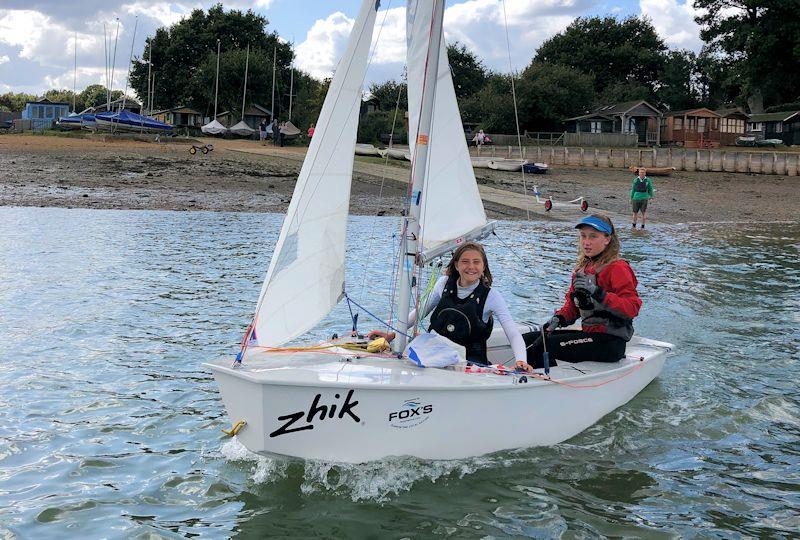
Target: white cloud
{"x":22,"y":28}
{"x":166,"y":13}
{"x":477,"y":24}
{"x":324,"y":44}
{"x":4,"y":59}
{"x":674,"y":22}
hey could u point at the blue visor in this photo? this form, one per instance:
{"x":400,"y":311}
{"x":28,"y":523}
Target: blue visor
{"x":596,"y":223}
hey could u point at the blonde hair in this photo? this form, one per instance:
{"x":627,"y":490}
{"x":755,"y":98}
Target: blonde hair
{"x":474,"y":246}
{"x":608,"y":255}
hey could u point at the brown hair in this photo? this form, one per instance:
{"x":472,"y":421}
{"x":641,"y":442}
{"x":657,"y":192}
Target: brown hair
{"x":608,"y":255}
{"x":474,"y":246}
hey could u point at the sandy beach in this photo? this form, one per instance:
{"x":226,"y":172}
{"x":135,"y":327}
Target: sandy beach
{"x":243,"y":176}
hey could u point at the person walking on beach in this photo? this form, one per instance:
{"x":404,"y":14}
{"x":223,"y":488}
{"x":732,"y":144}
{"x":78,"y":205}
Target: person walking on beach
{"x":262,"y":132}
{"x":276,"y":131}
{"x":602,"y":294}
{"x":641,"y":192}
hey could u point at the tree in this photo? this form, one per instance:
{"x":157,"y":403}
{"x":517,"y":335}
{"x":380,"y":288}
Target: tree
{"x":184,"y":62}
{"x":388,"y":93}
{"x":492,"y":108}
{"x":549,"y":93}
{"x":469,"y":73}
{"x":761,"y":40}
{"x":15,"y":102}
{"x":678,"y":87}
{"x":614,"y":52}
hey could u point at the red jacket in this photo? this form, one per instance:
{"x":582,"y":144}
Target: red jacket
{"x":616,"y":301}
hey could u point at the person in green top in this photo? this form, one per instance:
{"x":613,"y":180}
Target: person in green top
{"x":641,"y":192}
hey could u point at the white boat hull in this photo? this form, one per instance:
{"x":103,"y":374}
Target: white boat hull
{"x":480,"y":162}
{"x":366,"y":150}
{"x":320,"y":407}
{"x":507,"y":164}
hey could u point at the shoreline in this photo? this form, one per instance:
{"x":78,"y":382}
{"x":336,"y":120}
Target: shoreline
{"x":242,"y":176}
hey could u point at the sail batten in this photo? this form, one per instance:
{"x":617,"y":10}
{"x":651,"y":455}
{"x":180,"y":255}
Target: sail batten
{"x":306,"y":275}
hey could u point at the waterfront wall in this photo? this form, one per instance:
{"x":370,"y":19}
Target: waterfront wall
{"x":683,"y":159}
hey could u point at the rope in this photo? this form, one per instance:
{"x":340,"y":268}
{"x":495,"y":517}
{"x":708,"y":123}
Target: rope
{"x":368,"y":312}
{"x":516,"y":115}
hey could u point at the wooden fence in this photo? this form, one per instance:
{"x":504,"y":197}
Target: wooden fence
{"x":740,"y":161}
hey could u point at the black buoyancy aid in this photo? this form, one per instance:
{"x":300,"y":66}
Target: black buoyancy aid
{"x":615,"y":323}
{"x":461,"y":320}
{"x":641,"y":185}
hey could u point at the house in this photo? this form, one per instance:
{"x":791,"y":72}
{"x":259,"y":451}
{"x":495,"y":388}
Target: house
{"x":180,"y":118}
{"x":780,"y":125}
{"x":692,"y":128}
{"x":733,"y":124}
{"x":255,"y":113}
{"x":43,"y":113}
{"x":637,"y":117}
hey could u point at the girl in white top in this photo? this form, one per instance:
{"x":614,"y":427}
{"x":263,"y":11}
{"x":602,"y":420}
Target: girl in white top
{"x":464,"y":306}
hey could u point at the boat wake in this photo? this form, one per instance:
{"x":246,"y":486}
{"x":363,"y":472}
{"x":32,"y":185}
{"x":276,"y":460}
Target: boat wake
{"x":376,"y":481}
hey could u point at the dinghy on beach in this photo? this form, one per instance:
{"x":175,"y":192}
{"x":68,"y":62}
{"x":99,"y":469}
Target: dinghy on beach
{"x":341,"y":400}
{"x":362,"y":149}
{"x":512,"y":165}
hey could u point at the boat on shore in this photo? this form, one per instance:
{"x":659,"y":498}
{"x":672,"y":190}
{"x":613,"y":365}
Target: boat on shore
{"x":654,"y":171}
{"x":130,"y":122}
{"x":536,"y":168}
{"x":349,"y":400}
{"x":363,"y":149}
{"x":512,"y":165}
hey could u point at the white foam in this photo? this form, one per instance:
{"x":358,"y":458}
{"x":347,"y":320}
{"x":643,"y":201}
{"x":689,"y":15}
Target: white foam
{"x":265,"y":470}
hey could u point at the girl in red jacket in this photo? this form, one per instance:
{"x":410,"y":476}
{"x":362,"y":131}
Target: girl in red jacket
{"x":602,"y":294}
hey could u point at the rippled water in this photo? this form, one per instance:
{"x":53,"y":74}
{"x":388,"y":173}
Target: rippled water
{"x":110,"y":427}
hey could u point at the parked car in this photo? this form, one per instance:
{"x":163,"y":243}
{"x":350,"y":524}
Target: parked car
{"x":6,"y":125}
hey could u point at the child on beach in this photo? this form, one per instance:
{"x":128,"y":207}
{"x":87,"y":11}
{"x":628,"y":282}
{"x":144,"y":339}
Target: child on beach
{"x":641,"y":192}
{"x":602,"y":294}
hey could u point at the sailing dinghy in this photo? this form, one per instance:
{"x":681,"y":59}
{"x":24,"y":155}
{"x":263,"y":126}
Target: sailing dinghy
{"x":335,"y":401}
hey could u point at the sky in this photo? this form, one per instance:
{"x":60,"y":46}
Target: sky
{"x":38,"y":38}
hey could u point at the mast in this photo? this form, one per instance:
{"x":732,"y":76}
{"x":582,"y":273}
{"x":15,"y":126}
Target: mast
{"x":113,"y":66}
{"x":105,"y":55}
{"x":246,"y":65}
{"x":216,"y":85}
{"x":75,"y":75}
{"x":291,"y":83}
{"x":410,"y":231}
{"x":130,"y":62}
{"x":274,"y":56}
{"x":149,"y":67}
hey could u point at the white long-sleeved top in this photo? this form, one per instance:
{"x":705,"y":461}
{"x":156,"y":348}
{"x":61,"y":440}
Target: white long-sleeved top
{"x":495,"y":305}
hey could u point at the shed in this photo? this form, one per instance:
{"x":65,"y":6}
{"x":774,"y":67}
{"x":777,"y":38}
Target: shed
{"x":778,"y":125}
{"x":691,"y":128}
{"x":43,"y":113}
{"x":637,"y":117}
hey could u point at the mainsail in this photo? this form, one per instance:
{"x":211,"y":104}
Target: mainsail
{"x":305,"y":279}
{"x":451,"y":203}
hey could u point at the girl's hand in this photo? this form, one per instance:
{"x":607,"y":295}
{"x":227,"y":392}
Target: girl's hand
{"x":524,"y":366}
{"x":388,"y":336}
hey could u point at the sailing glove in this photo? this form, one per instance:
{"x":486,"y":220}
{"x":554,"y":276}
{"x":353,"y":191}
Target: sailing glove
{"x":586,"y":286}
{"x":552,"y":324}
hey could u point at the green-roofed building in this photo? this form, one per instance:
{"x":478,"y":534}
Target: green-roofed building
{"x":779,"y":125}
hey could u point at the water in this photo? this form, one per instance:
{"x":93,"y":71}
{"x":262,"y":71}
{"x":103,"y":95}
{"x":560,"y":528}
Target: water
{"x":110,"y":427}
